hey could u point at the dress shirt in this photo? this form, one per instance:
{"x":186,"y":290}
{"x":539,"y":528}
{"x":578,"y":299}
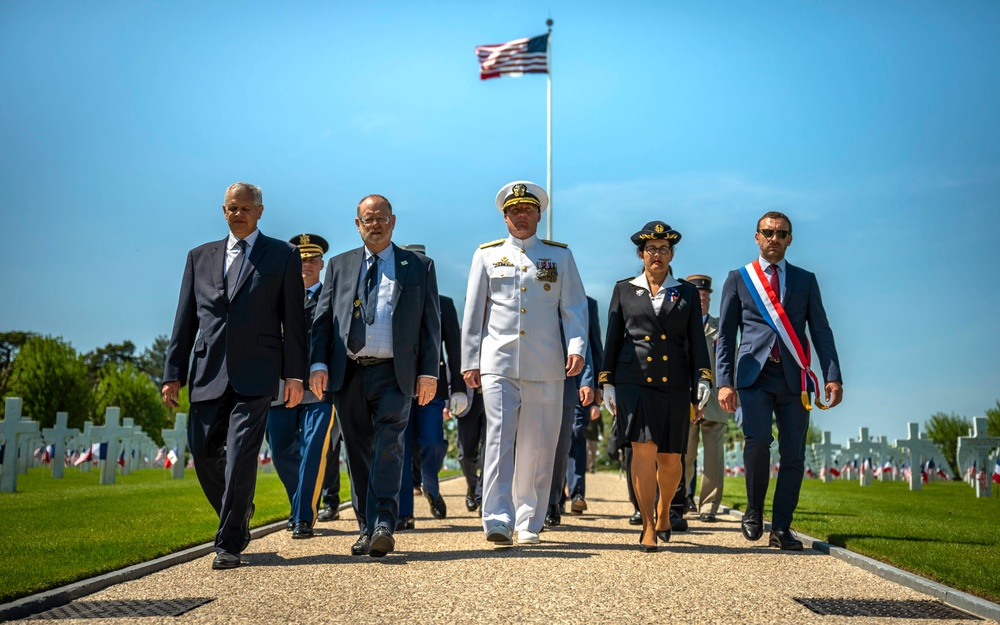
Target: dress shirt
{"x":782,"y":272}
{"x":657,"y":300}
{"x":233,"y":248}
{"x":378,"y":336}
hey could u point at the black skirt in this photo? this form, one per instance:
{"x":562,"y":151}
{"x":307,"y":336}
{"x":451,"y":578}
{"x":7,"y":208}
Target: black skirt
{"x":651,"y":414}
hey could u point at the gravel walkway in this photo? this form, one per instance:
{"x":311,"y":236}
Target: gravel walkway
{"x":588,"y":570}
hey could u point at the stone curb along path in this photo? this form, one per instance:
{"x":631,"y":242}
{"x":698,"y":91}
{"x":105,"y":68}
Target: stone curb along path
{"x":588,"y":570}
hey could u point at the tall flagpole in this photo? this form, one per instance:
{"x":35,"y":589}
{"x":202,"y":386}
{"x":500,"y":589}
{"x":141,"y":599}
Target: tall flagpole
{"x":548,"y":143}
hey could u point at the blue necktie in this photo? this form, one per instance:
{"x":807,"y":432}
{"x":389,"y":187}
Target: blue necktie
{"x":232,"y":277}
{"x":364,"y":309}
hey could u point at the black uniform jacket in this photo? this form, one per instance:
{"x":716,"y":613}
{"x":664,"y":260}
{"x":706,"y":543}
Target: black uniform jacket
{"x":665,"y":350}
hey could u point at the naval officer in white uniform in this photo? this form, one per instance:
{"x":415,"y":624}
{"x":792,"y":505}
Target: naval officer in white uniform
{"x":519,"y":288}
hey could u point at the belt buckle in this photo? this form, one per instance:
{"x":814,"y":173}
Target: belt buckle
{"x":776,"y":361}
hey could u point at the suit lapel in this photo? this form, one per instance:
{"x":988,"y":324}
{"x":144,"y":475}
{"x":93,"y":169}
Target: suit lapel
{"x":217,"y":259}
{"x":256,"y":254}
{"x":640,"y":296}
{"x":403,"y":265}
{"x":666,"y":308}
{"x":790,"y":280}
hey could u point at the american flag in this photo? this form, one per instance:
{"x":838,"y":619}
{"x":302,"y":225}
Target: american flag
{"x":44,"y":454}
{"x":161,"y":454}
{"x":514,"y":58}
{"x":834,"y":471}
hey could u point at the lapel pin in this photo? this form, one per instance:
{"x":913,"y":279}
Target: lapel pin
{"x":404,"y":262}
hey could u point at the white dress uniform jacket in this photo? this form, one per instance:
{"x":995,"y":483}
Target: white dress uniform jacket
{"x":517,"y":290}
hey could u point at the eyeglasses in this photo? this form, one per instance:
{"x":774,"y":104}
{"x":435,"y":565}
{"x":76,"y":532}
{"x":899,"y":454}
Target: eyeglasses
{"x":662,"y":251}
{"x":371,"y":221}
{"x":767,"y":233}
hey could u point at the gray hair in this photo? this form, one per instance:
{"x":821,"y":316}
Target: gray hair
{"x":258,"y":197}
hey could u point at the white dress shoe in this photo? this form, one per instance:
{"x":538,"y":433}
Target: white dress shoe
{"x":525,"y":537}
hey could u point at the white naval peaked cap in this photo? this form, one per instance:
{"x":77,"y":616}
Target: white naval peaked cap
{"x":522,"y":191}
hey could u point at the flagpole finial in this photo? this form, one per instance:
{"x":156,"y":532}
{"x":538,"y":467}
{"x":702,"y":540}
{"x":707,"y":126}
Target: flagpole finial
{"x":549,"y":23}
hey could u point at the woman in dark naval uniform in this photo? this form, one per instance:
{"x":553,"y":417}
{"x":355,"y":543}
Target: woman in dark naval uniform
{"x":655,"y":366}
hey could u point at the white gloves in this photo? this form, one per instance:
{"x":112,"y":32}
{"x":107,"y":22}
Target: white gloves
{"x":609,"y":398}
{"x":459,"y":403}
{"x":704,"y":393}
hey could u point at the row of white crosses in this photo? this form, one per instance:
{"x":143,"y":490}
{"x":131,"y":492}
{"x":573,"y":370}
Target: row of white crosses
{"x":976,"y":450}
{"x":20,"y":435}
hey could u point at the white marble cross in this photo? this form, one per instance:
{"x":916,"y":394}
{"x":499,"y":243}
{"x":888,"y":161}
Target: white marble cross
{"x":880,"y":447}
{"x":110,"y":433}
{"x":59,"y":436}
{"x":176,"y":439}
{"x":128,"y":444}
{"x":917,"y":444}
{"x":862,"y":446}
{"x":825,"y":450}
{"x":977,"y":447}
{"x":12,"y":428}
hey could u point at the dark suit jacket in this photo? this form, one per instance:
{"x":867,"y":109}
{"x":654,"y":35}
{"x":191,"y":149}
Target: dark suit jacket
{"x":738,"y":311}
{"x":416,"y":318}
{"x":643,"y":347}
{"x":239,"y":341}
{"x":451,"y":336}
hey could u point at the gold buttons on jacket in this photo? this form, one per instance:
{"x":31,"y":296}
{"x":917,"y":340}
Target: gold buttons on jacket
{"x":664,"y":379}
{"x":523,"y":289}
{"x":524,"y":268}
{"x":522,"y":332}
{"x":649,"y":379}
{"x":663,"y":336}
{"x":522,"y":311}
{"x":647,"y":338}
{"x":649,"y":359}
{"x":664,"y":357}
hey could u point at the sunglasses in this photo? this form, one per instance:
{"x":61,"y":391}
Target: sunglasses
{"x":768,"y":233}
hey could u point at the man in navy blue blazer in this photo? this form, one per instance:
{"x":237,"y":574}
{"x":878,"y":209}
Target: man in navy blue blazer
{"x":765,"y":372}
{"x":241,"y":311}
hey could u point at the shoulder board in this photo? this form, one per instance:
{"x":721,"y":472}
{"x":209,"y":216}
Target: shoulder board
{"x":626,"y":280}
{"x":556,"y":243}
{"x":491,"y":244}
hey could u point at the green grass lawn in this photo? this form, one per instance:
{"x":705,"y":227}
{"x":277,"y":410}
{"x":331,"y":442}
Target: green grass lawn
{"x":942,"y":532}
{"x":60,"y":531}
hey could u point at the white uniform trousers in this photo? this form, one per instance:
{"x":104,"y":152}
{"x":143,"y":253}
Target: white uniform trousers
{"x":522,"y":430}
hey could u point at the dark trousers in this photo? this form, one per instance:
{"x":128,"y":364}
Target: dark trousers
{"x":576,"y":472}
{"x":225,"y":436}
{"x":299,"y":438}
{"x":331,"y":477}
{"x":374,"y":414}
{"x":768,"y":395}
{"x":556,"y":491}
{"x":424,"y":438}
{"x":471,"y":434}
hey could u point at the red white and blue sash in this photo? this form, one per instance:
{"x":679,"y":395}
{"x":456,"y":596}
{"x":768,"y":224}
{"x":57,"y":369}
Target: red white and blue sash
{"x":774,"y":314}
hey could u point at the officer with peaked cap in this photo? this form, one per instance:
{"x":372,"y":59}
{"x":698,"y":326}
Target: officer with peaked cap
{"x":299,"y":437}
{"x":519,"y":287}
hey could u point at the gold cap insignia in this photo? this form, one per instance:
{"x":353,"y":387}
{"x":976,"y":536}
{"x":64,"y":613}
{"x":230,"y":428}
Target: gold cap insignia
{"x":519,"y":190}
{"x":303,"y":239}
{"x":658,"y":228}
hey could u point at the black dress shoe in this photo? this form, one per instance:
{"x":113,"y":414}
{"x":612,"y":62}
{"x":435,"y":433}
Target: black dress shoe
{"x":678,"y":523}
{"x":302,"y":530}
{"x":707,"y":517}
{"x":382,"y":542}
{"x":784,"y":539}
{"x":753,"y":524}
{"x":635,"y":519}
{"x":552,"y":516}
{"x":362,"y":546}
{"x":647,"y":548}
{"x":405,"y":523}
{"x":225,"y":560}
{"x":663,"y":535}
{"x":328,"y":513}
{"x":689,"y":505}
{"x":470,"y":503}
{"x":438,"y":508}
{"x":290,"y":524}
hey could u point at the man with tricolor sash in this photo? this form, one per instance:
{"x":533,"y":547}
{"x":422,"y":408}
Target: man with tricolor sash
{"x":770,"y":302}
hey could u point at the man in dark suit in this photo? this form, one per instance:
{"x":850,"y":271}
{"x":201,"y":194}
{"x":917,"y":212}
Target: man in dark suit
{"x":240,"y":310}
{"x":576,"y":478}
{"x":376,"y":342}
{"x":765,"y":370}
{"x":300,"y":436}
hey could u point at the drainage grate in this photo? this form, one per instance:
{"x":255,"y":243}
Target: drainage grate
{"x":886,"y":608}
{"x":131,"y":608}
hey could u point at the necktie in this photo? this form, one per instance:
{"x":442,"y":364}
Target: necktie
{"x":364,"y":309}
{"x":232,"y":277}
{"x":776,"y":287}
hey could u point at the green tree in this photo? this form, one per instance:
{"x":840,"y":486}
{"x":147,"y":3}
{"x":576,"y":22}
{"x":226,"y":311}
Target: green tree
{"x":151,"y":360}
{"x":117,"y":353}
{"x":944,"y":430}
{"x":10,"y":344}
{"x":50,"y":376}
{"x":124,"y":386}
{"x":993,"y":416}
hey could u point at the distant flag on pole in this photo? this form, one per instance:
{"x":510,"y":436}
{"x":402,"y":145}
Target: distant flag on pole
{"x":265,"y":456}
{"x":171,"y":459}
{"x":161,"y":455}
{"x":121,"y":458}
{"x":514,"y":58}
{"x":996,"y":472}
{"x":834,"y":471}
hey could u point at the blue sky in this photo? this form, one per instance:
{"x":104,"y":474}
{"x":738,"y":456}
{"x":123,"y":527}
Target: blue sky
{"x":872,"y":124}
